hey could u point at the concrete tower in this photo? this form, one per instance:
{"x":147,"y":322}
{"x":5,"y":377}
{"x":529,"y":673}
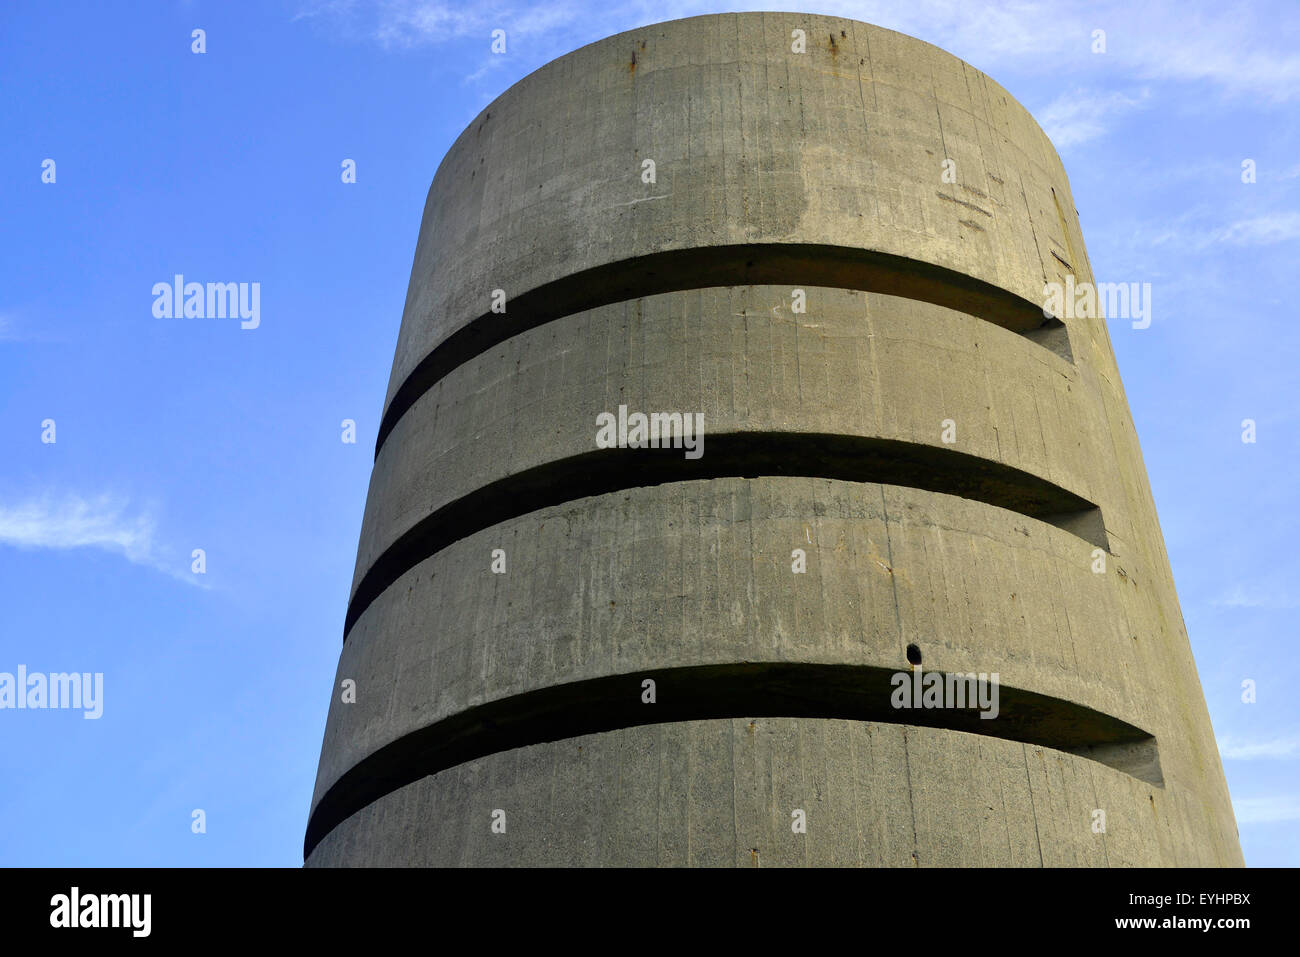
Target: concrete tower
{"x":832,"y":242}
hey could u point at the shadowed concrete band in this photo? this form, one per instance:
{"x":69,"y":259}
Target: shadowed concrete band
{"x":718,"y":691}
{"x":768,"y":264}
{"x":740,"y":455}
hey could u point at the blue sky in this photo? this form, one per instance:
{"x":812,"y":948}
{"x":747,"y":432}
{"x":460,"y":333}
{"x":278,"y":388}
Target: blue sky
{"x":173,"y":436}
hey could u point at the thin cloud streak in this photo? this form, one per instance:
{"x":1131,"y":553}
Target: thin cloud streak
{"x":1081,"y":115}
{"x":1267,"y":810}
{"x":1187,"y":233}
{"x":102,"y":522}
{"x":1232,"y":750}
{"x":1162,"y":41}
{"x":1241,"y":597}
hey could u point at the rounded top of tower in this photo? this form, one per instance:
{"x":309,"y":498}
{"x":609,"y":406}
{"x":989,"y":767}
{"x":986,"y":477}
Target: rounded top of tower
{"x":853,"y":155}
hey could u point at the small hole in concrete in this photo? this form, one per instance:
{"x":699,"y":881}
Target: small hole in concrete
{"x":913,"y":654}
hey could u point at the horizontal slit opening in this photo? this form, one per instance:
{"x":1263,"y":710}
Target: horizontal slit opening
{"x":795,"y":264}
{"x":730,"y":455}
{"x":748,"y":690}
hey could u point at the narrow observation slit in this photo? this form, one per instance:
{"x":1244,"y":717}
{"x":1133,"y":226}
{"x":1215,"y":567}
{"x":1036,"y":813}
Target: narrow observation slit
{"x":795,"y":264}
{"x":748,"y":690}
{"x":730,"y":455}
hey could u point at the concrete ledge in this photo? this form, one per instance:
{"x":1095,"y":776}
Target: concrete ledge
{"x":731,"y":455}
{"x":792,"y":266}
{"x":701,"y":573}
{"x":757,"y":689}
{"x":724,"y":792}
{"x":858,"y":365}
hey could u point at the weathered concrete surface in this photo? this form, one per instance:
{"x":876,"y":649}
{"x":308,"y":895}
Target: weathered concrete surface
{"x":854,"y":364}
{"x":700,"y":573}
{"x":722,"y":792}
{"x":841,"y":147}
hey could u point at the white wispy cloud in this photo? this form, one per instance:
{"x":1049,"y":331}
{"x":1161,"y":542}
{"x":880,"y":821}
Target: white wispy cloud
{"x":1242,"y":596}
{"x":411,"y":22}
{"x":1082,"y":115}
{"x":1241,"y":52}
{"x":490,"y":64}
{"x":1260,"y":230}
{"x":75,"y":522}
{"x":1267,"y":810}
{"x":22,"y":326}
{"x":1234,"y":49}
{"x":1233,"y":750}
{"x":1194,"y":230}
{"x":104,"y":522}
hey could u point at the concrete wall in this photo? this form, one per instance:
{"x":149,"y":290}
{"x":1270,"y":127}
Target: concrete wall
{"x":523,"y":692}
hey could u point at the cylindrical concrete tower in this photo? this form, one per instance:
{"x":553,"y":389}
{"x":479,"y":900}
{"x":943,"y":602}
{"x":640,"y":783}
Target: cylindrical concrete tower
{"x":735,"y":503}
